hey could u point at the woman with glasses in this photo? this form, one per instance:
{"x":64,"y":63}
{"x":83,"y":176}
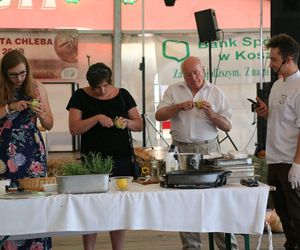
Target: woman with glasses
{"x":23,"y":101}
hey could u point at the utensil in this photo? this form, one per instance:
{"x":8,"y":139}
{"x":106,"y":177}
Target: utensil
{"x":190,"y":161}
{"x":202,"y":178}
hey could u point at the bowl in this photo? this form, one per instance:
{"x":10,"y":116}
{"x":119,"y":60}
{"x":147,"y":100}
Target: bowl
{"x":121,"y":183}
{"x":50,"y":187}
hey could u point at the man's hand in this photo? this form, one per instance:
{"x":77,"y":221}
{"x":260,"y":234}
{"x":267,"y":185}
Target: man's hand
{"x":187,"y":105}
{"x":206,"y":106}
{"x":294,"y":175}
{"x":218,"y":120}
{"x":262,"y":109}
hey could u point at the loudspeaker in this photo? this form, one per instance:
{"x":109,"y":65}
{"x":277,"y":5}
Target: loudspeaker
{"x":285,"y":18}
{"x":207,"y":25}
{"x":170,"y":2}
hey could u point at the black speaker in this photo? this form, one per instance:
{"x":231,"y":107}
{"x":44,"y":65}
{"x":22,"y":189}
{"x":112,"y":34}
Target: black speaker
{"x":170,"y":2}
{"x":207,"y":25}
{"x":285,"y":18}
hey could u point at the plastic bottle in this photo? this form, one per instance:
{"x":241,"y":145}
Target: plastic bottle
{"x":171,"y":162}
{"x":154,"y":170}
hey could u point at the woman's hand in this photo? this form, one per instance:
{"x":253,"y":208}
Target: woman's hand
{"x":19,"y":106}
{"x":121,"y":122}
{"x":39,"y":110}
{"x":105,"y":121}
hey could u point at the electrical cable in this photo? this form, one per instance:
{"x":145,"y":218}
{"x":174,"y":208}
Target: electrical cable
{"x":220,"y":54}
{"x":251,"y":138}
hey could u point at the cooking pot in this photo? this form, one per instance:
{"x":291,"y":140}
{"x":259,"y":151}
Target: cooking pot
{"x":189,"y":160}
{"x":201,"y":178}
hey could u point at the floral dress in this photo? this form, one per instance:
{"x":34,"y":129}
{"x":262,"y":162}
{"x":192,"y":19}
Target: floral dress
{"x":22,"y":155}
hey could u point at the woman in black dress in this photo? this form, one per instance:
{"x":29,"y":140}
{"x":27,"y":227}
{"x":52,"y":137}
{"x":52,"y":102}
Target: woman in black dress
{"x":92,"y":114}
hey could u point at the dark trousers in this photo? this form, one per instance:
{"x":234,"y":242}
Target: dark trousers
{"x":287,"y":203}
{"x":123,"y":167}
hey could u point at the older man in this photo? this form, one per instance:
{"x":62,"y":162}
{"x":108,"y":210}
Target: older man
{"x":197,"y":110}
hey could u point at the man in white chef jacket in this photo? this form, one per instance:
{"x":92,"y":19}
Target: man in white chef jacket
{"x":283,"y":144}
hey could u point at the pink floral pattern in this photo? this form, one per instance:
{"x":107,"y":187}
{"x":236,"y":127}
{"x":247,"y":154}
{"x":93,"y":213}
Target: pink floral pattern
{"x":24,"y":154}
{"x":13,"y":168}
{"x":37,"y":246}
{"x":37,"y":168}
{"x":10,"y":245}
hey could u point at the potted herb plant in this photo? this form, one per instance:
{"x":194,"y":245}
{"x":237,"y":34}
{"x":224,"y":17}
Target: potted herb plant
{"x":91,"y":175}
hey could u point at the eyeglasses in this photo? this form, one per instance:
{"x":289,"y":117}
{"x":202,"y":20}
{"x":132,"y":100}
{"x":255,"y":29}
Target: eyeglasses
{"x":16,"y":75}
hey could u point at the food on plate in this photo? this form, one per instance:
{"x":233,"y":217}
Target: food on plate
{"x":122,"y":183}
{"x":198,"y":104}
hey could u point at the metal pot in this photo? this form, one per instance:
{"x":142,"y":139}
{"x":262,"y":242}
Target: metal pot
{"x":202,"y":178}
{"x":189,"y":161}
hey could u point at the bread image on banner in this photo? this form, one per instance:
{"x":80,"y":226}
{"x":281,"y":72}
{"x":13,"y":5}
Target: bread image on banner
{"x":66,"y":46}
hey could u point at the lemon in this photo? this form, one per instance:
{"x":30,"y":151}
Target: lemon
{"x":198,"y":104}
{"x":34,"y":103}
{"x":122,"y":184}
{"x":118,"y":123}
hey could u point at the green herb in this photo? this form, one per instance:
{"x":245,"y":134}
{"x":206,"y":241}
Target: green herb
{"x":92,"y":163}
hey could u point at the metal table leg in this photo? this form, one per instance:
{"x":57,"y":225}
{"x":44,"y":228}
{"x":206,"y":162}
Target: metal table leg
{"x":246,"y":241}
{"x":211,"y":241}
{"x":228,"y":241}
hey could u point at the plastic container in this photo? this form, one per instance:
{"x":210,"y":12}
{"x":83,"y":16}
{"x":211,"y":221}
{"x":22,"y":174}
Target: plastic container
{"x":171,"y":162}
{"x":121,"y":183}
{"x":154,"y":169}
{"x":51,"y":188}
{"x":3,"y":184}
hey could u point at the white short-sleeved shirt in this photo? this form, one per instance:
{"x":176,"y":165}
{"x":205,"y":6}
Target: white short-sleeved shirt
{"x":193,"y":125}
{"x":283,"y":120}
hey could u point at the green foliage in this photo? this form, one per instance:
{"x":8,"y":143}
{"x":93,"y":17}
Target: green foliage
{"x":260,"y":168}
{"x":92,"y":163}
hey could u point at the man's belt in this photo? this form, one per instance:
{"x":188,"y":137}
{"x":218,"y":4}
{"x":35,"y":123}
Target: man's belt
{"x":214,"y":140}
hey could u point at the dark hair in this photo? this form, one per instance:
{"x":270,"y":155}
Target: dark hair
{"x":98,"y":73}
{"x":286,"y":44}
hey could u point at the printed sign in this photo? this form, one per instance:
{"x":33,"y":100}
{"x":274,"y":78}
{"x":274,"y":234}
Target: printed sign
{"x":236,"y":59}
{"x":52,"y":55}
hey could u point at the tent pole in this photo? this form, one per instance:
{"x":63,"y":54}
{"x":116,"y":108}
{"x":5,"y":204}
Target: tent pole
{"x":261,"y":46}
{"x":142,"y":68}
{"x":210,"y":80}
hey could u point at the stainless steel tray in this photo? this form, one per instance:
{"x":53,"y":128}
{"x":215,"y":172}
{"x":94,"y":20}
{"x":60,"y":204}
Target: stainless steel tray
{"x":24,"y":195}
{"x":232,"y":162}
{"x":78,"y":184}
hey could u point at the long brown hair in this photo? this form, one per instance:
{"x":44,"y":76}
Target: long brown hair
{"x":7,"y":89}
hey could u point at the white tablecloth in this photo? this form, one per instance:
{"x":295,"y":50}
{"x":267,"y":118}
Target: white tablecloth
{"x":231,"y":208}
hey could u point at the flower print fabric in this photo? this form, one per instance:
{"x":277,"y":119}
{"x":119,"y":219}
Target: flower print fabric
{"x":23,"y":154}
{"x":22,"y":147}
{"x":32,"y":244}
